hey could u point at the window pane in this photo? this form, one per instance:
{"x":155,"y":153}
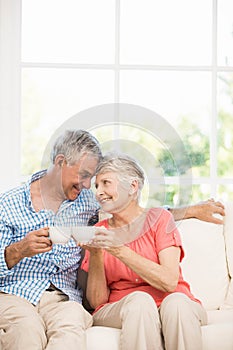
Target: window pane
{"x":68,"y":31}
{"x":200,"y":192}
{"x":225,"y":193}
{"x":173,"y":195}
{"x":52,"y":96}
{"x":225,"y":125}
{"x":166,"y":32}
{"x":225,"y":32}
{"x":153,"y":156}
{"x":183,"y":99}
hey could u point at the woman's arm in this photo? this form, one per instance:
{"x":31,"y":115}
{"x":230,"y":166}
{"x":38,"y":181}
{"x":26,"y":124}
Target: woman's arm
{"x":97,"y":291}
{"x":163,"y":276}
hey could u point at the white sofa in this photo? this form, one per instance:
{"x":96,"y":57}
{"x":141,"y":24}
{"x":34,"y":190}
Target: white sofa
{"x":208,"y":266}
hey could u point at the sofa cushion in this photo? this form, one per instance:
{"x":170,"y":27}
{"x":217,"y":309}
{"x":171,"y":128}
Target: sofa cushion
{"x":104,"y":338}
{"x":228,"y":232}
{"x":217,"y":336}
{"x":214,"y":336}
{"x":204,"y":265}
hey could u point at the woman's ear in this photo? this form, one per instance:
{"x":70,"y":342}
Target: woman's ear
{"x":133,"y":187}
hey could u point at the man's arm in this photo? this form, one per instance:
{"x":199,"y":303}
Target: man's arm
{"x":35,"y":242}
{"x":203,"y":211}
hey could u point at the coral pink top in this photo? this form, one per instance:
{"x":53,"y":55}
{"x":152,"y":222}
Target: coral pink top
{"x":159,"y":232}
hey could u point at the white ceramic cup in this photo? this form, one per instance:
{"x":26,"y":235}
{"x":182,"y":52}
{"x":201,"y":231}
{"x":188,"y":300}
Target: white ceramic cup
{"x":59,"y":235}
{"x":83,"y":234}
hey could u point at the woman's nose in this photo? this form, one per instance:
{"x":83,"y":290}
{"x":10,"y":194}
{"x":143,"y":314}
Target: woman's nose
{"x":99,"y":191}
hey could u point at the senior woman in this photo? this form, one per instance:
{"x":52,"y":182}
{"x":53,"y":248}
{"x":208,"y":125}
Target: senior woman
{"x":135,"y":283}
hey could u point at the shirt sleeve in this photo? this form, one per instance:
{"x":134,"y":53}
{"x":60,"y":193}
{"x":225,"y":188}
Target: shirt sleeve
{"x":5,"y":239}
{"x":167,"y":234}
{"x":4,"y":271}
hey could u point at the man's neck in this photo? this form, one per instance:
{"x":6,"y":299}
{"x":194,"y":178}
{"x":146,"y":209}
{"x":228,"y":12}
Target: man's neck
{"x":45,"y":194}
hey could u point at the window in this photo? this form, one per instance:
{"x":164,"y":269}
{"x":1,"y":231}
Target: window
{"x":153,"y":78}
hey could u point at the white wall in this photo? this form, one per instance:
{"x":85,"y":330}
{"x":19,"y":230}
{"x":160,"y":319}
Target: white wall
{"x":9,"y":93}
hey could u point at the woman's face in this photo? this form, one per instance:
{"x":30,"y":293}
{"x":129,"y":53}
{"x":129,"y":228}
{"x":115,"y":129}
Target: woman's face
{"x":112,"y":194}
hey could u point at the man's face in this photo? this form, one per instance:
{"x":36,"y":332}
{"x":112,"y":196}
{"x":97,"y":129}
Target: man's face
{"x":78,"y":176}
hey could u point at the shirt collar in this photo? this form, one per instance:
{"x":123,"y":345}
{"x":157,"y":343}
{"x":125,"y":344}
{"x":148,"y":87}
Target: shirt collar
{"x":36,"y":176}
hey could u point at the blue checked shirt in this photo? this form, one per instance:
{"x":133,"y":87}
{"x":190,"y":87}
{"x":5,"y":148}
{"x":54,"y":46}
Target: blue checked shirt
{"x":33,"y":275}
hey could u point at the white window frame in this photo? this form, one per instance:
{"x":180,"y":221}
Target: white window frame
{"x":10,"y":91}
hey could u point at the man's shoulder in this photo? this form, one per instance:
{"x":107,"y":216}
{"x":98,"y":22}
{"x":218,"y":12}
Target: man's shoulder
{"x":17,"y":191}
{"x":12,"y":193}
{"x":86,"y":200}
{"x":10,"y":200}
{"x":88,"y":195}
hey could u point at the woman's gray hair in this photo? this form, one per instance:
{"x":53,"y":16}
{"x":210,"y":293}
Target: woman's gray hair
{"x":126,"y":168}
{"x":73,"y":144}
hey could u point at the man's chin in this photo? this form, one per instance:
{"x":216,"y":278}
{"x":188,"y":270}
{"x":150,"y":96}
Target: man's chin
{"x":73,"y":196}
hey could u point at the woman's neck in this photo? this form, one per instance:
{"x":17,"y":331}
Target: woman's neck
{"x":126,"y":217}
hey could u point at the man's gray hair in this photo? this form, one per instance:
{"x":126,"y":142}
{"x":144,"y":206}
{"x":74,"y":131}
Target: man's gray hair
{"x":73,"y":144}
{"x":126,"y":168}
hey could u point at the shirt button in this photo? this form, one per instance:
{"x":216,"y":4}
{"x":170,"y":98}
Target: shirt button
{"x":136,"y":279}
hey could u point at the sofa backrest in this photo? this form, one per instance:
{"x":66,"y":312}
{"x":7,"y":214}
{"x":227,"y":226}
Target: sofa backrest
{"x":228,"y":234}
{"x":204,"y":265}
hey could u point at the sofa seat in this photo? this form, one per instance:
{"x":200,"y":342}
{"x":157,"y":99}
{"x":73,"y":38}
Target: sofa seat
{"x":104,"y":338}
{"x":217,"y":335}
{"x":208,"y":267}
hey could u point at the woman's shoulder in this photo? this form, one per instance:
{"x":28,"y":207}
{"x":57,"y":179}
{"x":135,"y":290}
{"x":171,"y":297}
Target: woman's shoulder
{"x":157,"y":213}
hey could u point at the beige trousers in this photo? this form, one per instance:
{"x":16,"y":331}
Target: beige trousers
{"x":54,"y":324}
{"x":175,"y":326}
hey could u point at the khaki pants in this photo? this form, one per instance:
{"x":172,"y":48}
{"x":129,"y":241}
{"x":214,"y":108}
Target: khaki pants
{"x":142,"y":324}
{"x":54,"y":324}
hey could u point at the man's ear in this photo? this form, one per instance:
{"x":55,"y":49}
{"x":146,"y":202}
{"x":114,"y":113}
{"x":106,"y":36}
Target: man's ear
{"x":59,"y":160}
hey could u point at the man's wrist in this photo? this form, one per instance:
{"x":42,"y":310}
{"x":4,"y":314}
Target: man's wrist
{"x":12,"y":254}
